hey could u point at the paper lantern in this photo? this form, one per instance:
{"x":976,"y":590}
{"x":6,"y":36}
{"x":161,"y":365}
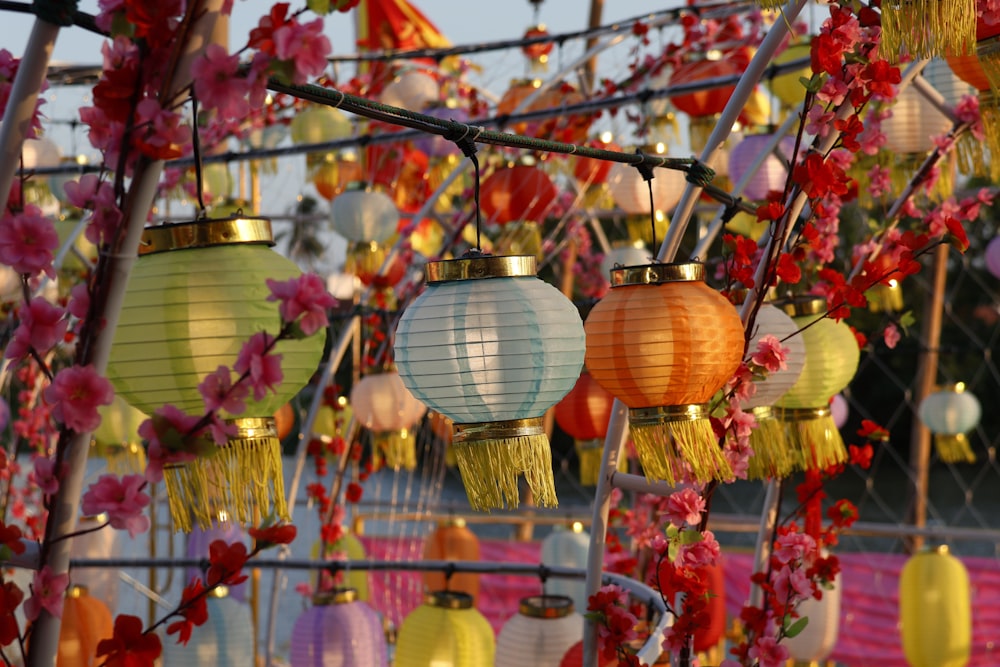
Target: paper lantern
{"x":702,"y":106}
{"x":452,"y":540}
{"x":319,"y":123}
{"x":284,"y":421}
{"x":839,"y":410}
{"x":992,"y":257}
{"x":195,"y":296}
{"x":339,"y":630}
{"x":86,"y":621}
{"x":950,"y":413}
{"x":541,"y":632}
{"x":787,"y":87}
{"x":445,"y":631}
{"x":772,"y":173}
{"x":831,"y":360}
{"x":567,"y":548}
{"x":224,"y":640}
{"x":913,"y":123}
{"x":574,"y":657}
{"x":384,"y":406}
{"x":570,"y":128}
{"x":927,"y":28}
{"x":411,"y":89}
{"x":491,"y":347}
{"x":100,"y":583}
{"x":363,"y":214}
{"x":40,"y":153}
{"x":631,"y":192}
{"x":935,"y":610}
{"x":663,"y":343}
{"x":368,"y":262}
{"x":519,"y":192}
{"x":348,"y":548}
{"x":537,"y":52}
{"x":199,"y":540}
{"x":334,"y":173}
{"x":584,"y":414}
{"x":772,"y":457}
{"x":625,"y":253}
{"x":817,"y":641}
{"x":117,"y":439}
{"x":589,"y":171}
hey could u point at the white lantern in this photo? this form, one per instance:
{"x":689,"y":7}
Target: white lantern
{"x":343,"y":286}
{"x":913,"y":124}
{"x":950,"y":413}
{"x":364,"y":215}
{"x":40,"y":153}
{"x":412,"y":89}
{"x":819,"y":637}
{"x":544,"y":628}
{"x":629,"y":253}
{"x":384,"y":405}
{"x":773,"y":171}
{"x":567,"y":548}
{"x":224,"y":640}
{"x":631,"y":192}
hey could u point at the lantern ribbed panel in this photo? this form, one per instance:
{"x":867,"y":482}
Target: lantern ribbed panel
{"x":186,"y":312}
{"x":382,"y":403}
{"x":490,"y":350}
{"x":567,"y":548}
{"x":674,"y":343}
{"x":787,"y":87}
{"x":831,"y":360}
{"x":224,"y":640}
{"x":771,"y":175}
{"x":950,"y":412}
{"x":945,"y":81}
{"x":452,"y":541}
{"x":935,"y":610}
{"x":101,"y":582}
{"x":773,"y":321}
{"x":537,"y":642}
{"x":362,"y":216}
{"x":913,"y":123}
{"x":347,"y":634}
{"x":198,"y":542}
{"x":631,"y":192}
{"x":432,"y":636}
{"x":819,"y":637}
{"x":628,"y":255}
{"x":585,"y":411}
{"x":85,"y":622}
{"x":119,"y":423}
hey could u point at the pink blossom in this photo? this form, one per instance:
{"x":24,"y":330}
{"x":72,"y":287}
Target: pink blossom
{"x":218,"y":85}
{"x":75,"y":395}
{"x":220,"y":431}
{"x":794,"y":547}
{"x":45,"y":474}
{"x":166,"y":433}
{"x":891,"y":336}
{"x":219,"y":393}
{"x":879,"y":180}
{"x":305,"y":296}
{"x":819,"y":121}
{"x":967,"y":111}
{"x":685,"y":508}
{"x":122,"y":499}
{"x":264,"y":368}
{"x":738,"y":456}
{"x":768,"y":652}
{"x":47,"y":590}
{"x":703,"y":552}
{"x":42,"y":326}
{"x":160,"y":133}
{"x":27,"y":241}
{"x":791,"y":585}
{"x":306,"y":45}
{"x":770,"y":354}
{"x":79,"y":301}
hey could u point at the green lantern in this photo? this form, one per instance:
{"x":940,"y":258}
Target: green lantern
{"x":196,"y":295}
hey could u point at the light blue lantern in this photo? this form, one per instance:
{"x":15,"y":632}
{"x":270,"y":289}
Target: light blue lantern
{"x":224,"y":640}
{"x":492,"y":347}
{"x":567,"y":548}
{"x":949,"y":413}
{"x":338,"y":631}
{"x":363,"y":215}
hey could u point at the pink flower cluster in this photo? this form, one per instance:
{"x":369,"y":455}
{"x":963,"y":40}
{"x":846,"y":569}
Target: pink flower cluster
{"x":123,"y":500}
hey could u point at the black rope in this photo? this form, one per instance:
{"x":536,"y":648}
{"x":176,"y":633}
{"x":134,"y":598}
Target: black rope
{"x":646,"y":171}
{"x":458,"y":134}
{"x":196,"y":149}
{"x":57,"y":12}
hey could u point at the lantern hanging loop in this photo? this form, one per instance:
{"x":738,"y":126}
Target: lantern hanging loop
{"x":196,"y":150}
{"x":467,"y":145}
{"x":646,"y":171}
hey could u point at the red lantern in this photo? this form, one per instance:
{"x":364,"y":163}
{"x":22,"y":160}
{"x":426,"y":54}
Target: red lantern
{"x":538,"y":51}
{"x":588,"y":171}
{"x":706,"y":102}
{"x":574,"y":657}
{"x":585,"y":411}
{"x":519,"y":192}
{"x":365,"y":259}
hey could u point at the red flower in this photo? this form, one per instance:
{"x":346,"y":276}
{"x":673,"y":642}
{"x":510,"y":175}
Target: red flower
{"x":843,"y":514}
{"x":881,"y":76}
{"x":787,"y":270}
{"x":227,"y":561}
{"x":354,"y":492}
{"x":826,"y":54}
{"x":129,"y":646}
{"x":192,"y":610}
{"x":10,"y":537}
{"x":861,"y":456}
{"x":873,"y":431}
{"x":262,"y":37}
{"x":266,"y":536}
{"x":960,"y":240}
{"x":850,"y":128}
{"x":10,"y":598}
{"x":819,"y":177}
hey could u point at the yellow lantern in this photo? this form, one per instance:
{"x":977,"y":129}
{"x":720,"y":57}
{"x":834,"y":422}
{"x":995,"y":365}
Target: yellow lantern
{"x":935,"y":610}
{"x":445,"y":630}
{"x":787,"y":87}
{"x":117,"y":438}
{"x":196,"y":295}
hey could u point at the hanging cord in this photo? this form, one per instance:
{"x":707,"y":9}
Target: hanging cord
{"x":196,"y":147}
{"x":646,"y":171}
{"x":458,"y":134}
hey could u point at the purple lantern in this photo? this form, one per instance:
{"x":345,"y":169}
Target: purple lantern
{"x":992,"y":257}
{"x":772,"y":173}
{"x":338,"y":631}
{"x":839,"y":410}
{"x":198,"y":542}
{"x":436,"y":146}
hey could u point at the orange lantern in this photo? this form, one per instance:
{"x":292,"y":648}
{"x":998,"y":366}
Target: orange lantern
{"x":85,"y":622}
{"x":366,"y":259}
{"x":284,"y":420}
{"x":452,"y":541}
{"x":664,"y":343}
{"x":584,"y":414}
{"x":568,"y":128}
{"x":331,"y":176}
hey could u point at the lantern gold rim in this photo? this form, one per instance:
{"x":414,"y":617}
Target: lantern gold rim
{"x":673,"y":413}
{"x":512,"y":428}
{"x":77,"y":591}
{"x":206,"y":233}
{"x":546,"y":606}
{"x":480,"y":267}
{"x":219,"y":592}
{"x":452,"y":522}
{"x":657,"y":274}
{"x":953,"y":387}
{"x":337,"y":596}
{"x":449,"y":600}
{"x":762,"y":412}
{"x":800,"y":414}
{"x":799,"y":306}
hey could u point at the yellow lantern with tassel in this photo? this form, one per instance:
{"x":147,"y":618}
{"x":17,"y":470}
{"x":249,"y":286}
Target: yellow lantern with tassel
{"x":445,"y":630}
{"x":949,"y":413}
{"x":935,"y":610}
{"x":926,"y":28}
{"x":196,"y":295}
{"x":490,"y":346}
{"x":384,"y":406}
{"x":832,"y":356}
{"x":664,"y":343}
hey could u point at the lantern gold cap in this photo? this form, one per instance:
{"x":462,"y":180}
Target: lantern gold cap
{"x":219,"y":592}
{"x":954,"y":387}
{"x":238,"y":229}
{"x":477,"y":266}
{"x":512,"y":428}
{"x":800,"y":414}
{"x":671,"y":413}
{"x":77,"y":591}
{"x":448,"y":600}
{"x":452,"y":522}
{"x":546,"y":606}
{"x":799,"y":306}
{"x":338,"y":596}
{"x":657,"y":274}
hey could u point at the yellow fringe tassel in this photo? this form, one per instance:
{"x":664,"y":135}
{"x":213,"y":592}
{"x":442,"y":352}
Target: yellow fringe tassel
{"x":129,"y":458}
{"x":988,"y":53}
{"x":772,"y":457}
{"x":492,"y":456}
{"x":927,"y":28}
{"x":953,"y":448}
{"x":590,"y":453}
{"x":664,"y":447}
{"x":813,"y":438}
{"x":395,"y":449}
{"x":970,"y":156}
{"x":885,"y":298}
{"x":242,"y":475}
{"x":989,"y":111}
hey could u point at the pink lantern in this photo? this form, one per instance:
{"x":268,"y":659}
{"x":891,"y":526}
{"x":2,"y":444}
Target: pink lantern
{"x":771,"y":175}
{"x":992,"y":257}
{"x":839,"y":410}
